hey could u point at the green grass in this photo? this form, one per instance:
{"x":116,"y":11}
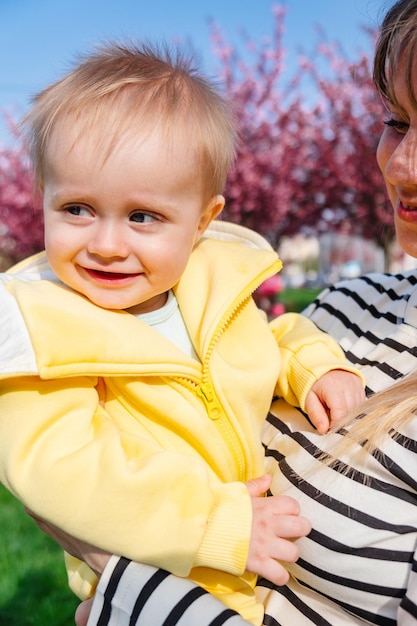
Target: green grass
{"x":33,"y":585}
{"x":297,"y":299}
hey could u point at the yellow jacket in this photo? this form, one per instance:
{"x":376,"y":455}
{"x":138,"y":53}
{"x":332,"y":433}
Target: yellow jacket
{"x":109,"y":431}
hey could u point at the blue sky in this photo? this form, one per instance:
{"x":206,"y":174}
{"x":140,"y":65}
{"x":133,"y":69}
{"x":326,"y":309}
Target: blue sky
{"x":38,"y":38}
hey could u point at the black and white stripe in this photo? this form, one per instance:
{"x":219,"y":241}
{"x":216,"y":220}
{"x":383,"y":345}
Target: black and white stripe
{"x":355,"y":565}
{"x":407,"y":613}
{"x":374,"y":318}
{"x":131,"y":594}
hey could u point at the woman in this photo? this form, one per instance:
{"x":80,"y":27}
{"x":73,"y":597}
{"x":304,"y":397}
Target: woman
{"x":357,"y":562}
{"x":374,"y":318}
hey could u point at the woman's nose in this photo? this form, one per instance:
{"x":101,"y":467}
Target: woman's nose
{"x":401,"y":167}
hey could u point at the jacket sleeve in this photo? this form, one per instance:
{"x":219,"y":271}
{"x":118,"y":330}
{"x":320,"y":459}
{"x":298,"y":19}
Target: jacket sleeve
{"x":66,"y":460}
{"x":306,"y":354}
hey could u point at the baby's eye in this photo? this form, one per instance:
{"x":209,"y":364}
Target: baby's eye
{"x":142,"y":218}
{"x":398,"y":125}
{"x":77,"y":209}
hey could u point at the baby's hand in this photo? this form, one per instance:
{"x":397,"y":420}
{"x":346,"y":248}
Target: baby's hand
{"x":333,"y":396}
{"x":276,"y":520}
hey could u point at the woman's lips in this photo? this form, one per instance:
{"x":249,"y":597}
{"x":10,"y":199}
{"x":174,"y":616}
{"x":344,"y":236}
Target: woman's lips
{"x":407,"y":213}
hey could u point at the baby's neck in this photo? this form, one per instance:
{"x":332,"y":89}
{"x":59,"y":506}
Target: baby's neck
{"x":155,"y":303}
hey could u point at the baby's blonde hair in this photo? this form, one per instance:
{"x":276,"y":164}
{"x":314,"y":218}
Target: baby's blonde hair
{"x":120,"y":90}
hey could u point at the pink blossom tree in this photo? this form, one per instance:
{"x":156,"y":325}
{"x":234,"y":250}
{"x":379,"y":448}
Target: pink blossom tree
{"x":344,"y":179}
{"x":21,"y":221}
{"x":304,"y":168}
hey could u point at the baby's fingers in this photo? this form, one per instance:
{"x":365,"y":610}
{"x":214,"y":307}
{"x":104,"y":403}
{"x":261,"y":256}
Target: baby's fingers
{"x":283,"y":505}
{"x":274,"y":572}
{"x":285,"y":551}
{"x":273,"y":566}
{"x":290,"y":527}
{"x":317,"y":413}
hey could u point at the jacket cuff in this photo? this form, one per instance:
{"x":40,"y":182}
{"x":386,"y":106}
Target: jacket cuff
{"x":225,"y":545}
{"x":305,"y":370}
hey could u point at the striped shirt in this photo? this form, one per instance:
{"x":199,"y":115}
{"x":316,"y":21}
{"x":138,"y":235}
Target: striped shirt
{"x":359,"y":554}
{"x":358,"y":565}
{"x":374,"y":319}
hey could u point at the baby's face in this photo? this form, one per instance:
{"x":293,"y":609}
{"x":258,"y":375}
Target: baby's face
{"x":120,"y":230}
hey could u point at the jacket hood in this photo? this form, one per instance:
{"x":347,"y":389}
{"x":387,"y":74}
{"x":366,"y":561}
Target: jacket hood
{"x":226,"y":231}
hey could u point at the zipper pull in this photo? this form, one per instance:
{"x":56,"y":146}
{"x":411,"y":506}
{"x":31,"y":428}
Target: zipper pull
{"x":205,"y":391}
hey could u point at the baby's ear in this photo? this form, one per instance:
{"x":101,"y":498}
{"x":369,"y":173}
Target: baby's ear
{"x":213,"y":209}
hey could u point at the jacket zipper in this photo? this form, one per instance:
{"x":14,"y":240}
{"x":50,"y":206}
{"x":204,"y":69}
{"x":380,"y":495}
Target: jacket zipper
{"x":205,"y":388}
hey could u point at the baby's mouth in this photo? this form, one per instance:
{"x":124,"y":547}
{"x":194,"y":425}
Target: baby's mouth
{"x":109,"y":275}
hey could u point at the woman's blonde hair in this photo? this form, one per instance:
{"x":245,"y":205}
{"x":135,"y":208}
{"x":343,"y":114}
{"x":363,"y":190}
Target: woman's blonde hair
{"x":397,"y":41}
{"x":383,"y":415}
{"x":122,"y":89}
